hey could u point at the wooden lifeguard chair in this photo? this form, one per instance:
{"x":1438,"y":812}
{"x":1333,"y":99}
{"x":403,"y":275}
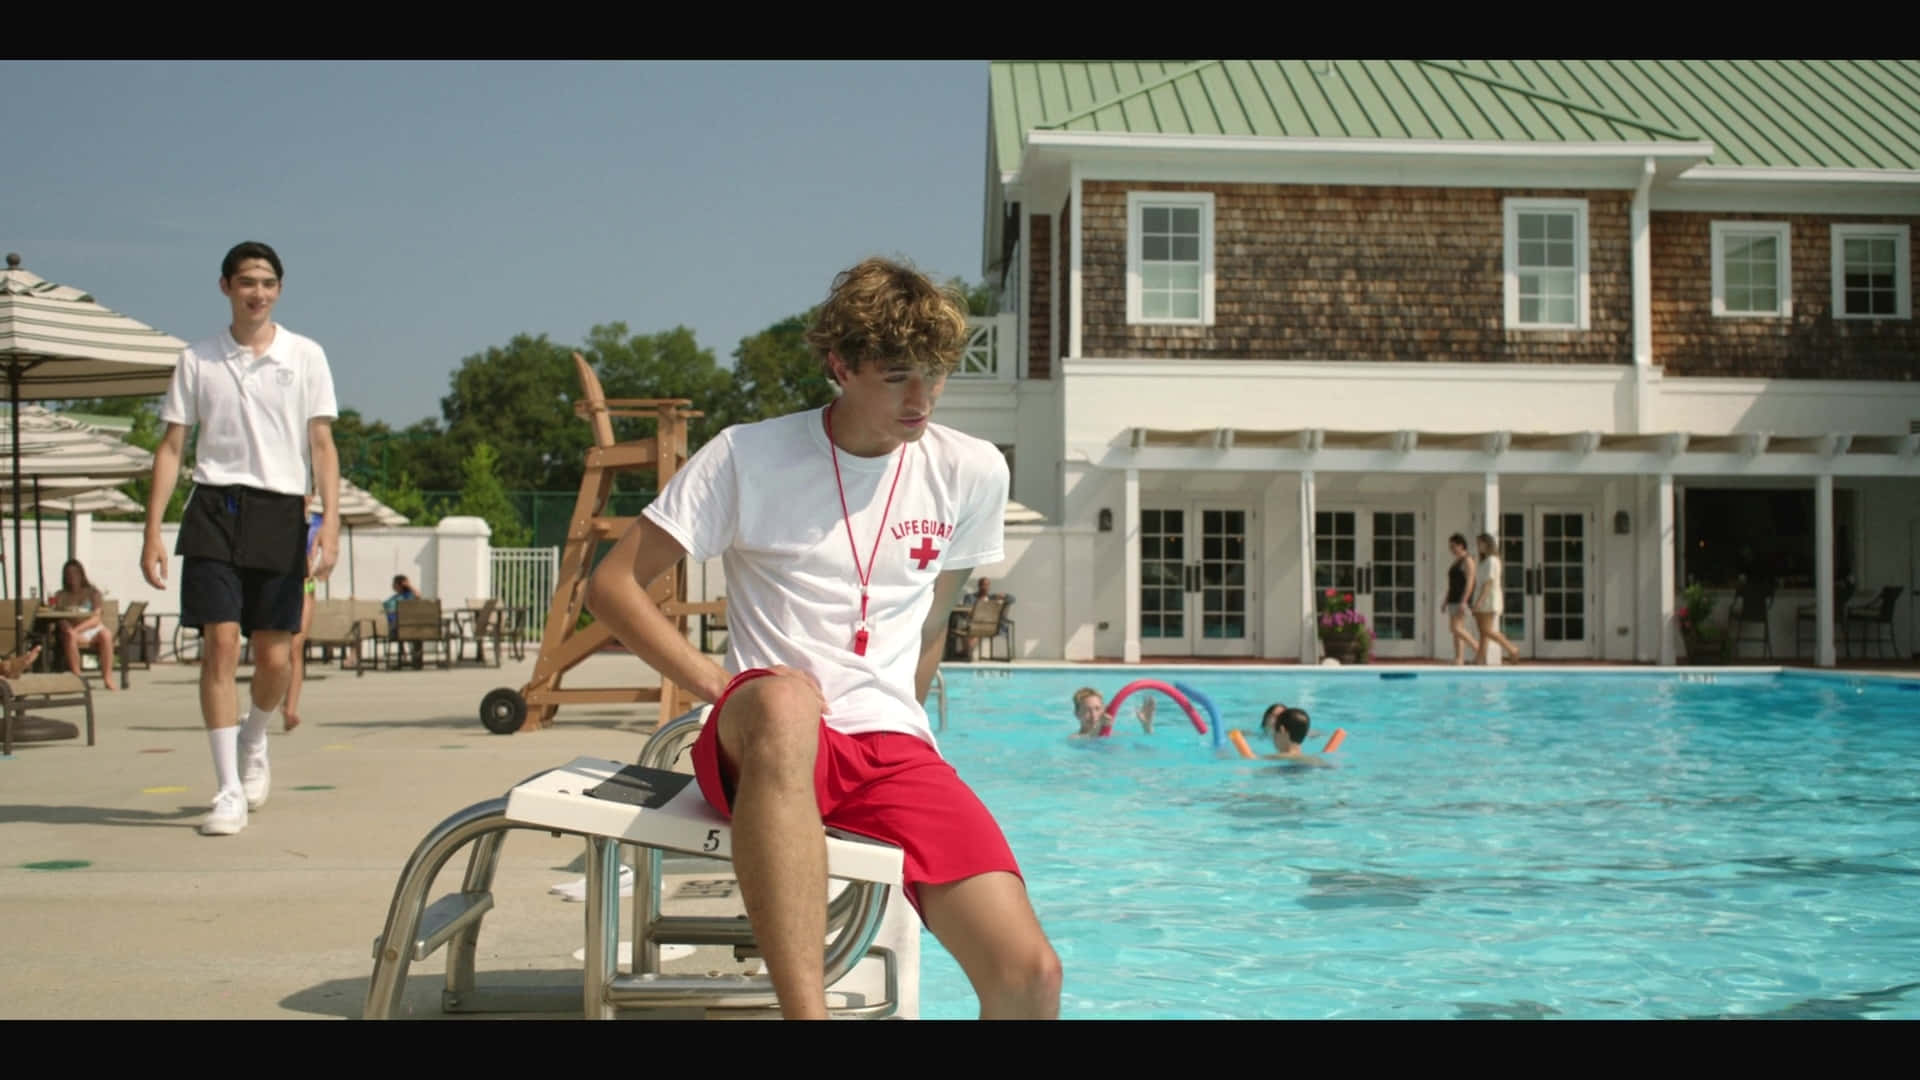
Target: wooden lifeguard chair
{"x":562,"y":647}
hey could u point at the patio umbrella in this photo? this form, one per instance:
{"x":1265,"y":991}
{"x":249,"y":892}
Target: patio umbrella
{"x":60,"y":455}
{"x":78,"y":495}
{"x":357,"y":507}
{"x":57,"y":343}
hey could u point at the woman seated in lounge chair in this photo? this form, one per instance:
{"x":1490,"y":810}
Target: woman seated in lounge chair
{"x":76,"y":592}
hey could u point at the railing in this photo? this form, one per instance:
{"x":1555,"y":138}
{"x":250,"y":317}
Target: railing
{"x":990,"y":352}
{"x":523,"y":579}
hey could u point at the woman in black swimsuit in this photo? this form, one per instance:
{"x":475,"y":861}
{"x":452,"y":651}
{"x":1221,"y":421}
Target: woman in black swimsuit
{"x":1459,"y":587}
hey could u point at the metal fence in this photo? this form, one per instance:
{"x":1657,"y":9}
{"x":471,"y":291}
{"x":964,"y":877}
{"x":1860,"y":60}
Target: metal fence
{"x":523,"y":578}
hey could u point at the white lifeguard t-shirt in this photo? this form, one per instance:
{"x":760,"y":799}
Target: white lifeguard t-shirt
{"x":252,"y":411}
{"x":762,"y":497}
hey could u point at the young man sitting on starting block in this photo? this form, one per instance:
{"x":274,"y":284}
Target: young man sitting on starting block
{"x":846,"y":534}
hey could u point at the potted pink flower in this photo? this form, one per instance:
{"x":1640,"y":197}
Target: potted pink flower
{"x":1344,"y":633}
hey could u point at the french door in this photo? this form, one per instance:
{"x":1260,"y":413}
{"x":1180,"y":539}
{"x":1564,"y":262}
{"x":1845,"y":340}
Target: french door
{"x":1195,"y":573}
{"x":1379,"y":555}
{"x":1549,"y":577}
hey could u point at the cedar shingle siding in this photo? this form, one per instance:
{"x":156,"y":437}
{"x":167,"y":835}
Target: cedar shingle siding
{"x":1040,"y":290}
{"x":1689,"y":340}
{"x":1318,"y":272}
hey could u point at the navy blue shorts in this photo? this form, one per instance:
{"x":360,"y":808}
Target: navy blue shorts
{"x":215,"y":591}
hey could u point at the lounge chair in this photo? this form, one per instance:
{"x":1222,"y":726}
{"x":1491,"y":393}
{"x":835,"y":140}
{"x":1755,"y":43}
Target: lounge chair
{"x":62,"y":690}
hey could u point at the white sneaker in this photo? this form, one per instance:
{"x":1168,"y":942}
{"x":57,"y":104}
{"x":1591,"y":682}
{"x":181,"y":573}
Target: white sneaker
{"x":256,"y":778}
{"x":229,"y":815}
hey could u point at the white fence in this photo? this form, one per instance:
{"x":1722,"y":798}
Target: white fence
{"x":523,"y":578}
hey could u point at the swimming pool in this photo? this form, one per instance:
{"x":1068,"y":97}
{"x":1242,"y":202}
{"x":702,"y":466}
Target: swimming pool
{"x":1629,"y":845}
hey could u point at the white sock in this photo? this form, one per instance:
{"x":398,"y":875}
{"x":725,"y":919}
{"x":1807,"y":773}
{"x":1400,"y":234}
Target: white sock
{"x":226,"y":758}
{"x":253,"y":733}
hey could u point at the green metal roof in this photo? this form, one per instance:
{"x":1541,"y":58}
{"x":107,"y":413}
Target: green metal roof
{"x":1862,"y":114}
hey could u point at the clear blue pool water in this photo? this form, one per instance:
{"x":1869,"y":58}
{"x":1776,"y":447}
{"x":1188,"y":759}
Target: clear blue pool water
{"x":1511,"y":845}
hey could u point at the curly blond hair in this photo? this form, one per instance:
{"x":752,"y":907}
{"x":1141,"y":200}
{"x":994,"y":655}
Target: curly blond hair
{"x":884,"y":311}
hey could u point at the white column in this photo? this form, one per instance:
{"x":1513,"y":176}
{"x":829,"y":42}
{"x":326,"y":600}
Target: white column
{"x":1490,"y":524}
{"x":1490,"y":504}
{"x":1309,"y":630}
{"x":1079,"y":213}
{"x":1130,"y":529}
{"x":1663,"y":530}
{"x":1823,"y":569}
{"x":1641,"y":224}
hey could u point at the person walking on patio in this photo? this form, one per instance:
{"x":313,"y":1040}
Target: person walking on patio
{"x":1489,"y":603}
{"x":263,"y":399}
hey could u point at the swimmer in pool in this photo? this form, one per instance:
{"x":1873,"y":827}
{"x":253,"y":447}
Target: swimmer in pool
{"x":1090,"y":709}
{"x":1289,"y":729}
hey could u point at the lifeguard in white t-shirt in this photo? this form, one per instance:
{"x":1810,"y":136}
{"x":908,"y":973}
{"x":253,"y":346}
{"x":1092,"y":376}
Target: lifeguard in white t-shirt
{"x":847,"y":533}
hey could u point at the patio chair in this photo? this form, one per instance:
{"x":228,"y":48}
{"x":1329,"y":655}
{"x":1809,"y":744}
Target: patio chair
{"x":1806,"y":620}
{"x":654,"y":808}
{"x":1877,"y":614}
{"x":333,"y":626}
{"x":418,"y":623}
{"x":989,"y":621}
{"x":1751,"y":608}
{"x":132,"y":635}
{"x":480,"y":620}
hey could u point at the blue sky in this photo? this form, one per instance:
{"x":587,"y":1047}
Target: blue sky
{"x":425,"y":211}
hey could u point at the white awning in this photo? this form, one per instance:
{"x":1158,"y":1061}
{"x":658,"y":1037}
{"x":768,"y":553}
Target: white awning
{"x":1531,"y":452}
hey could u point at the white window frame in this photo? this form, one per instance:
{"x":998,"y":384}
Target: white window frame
{"x":1902,"y":270}
{"x":1138,"y":201}
{"x":1513,"y":208}
{"x":1782,"y":232}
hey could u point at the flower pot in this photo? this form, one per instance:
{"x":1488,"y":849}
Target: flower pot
{"x":1703,"y":650}
{"x":1342,"y":647}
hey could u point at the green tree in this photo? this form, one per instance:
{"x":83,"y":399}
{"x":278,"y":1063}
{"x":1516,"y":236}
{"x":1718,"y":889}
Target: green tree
{"x":518,"y":399}
{"x":483,"y":496}
{"x":979,"y":296}
{"x":146,"y":433}
{"x":405,"y":497}
{"x":670,"y":364}
{"x":774,"y":373}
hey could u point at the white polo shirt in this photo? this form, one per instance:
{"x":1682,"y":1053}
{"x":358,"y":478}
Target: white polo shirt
{"x":252,"y":410}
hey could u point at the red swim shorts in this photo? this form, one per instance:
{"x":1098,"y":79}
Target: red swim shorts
{"x":888,"y":786}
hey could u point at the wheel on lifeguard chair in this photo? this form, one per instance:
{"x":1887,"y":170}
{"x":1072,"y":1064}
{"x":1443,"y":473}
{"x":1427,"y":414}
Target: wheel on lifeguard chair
{"x":502,"y":711}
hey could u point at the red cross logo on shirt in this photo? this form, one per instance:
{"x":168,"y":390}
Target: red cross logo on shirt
{"x":926,"y":552}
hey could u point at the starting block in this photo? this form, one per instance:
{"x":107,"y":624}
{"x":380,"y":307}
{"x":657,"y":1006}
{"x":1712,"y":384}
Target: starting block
{"x":645,"y":806}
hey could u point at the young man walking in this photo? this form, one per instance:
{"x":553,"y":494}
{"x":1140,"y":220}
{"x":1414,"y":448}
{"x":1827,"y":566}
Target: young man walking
{"x":262,"y":397}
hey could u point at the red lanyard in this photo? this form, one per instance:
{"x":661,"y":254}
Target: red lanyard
{"x":866,"y":575}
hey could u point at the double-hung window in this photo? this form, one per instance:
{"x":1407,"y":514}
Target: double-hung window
{"x":1170,"y":257}
{"x":1872,"y":276}
{"x":1546,"y":264}
{"x":1752,"y":268}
